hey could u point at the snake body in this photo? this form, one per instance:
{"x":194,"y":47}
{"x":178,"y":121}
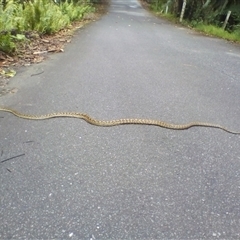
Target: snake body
{"x":116,"y":122}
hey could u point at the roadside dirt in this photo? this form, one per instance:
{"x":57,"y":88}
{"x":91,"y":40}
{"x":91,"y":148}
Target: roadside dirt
{"x":37,"y":48}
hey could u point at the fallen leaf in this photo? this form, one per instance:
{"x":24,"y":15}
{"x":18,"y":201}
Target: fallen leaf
{"x":8,"y":73}
{"x":45,"y":40}
{"x":14,"y":90}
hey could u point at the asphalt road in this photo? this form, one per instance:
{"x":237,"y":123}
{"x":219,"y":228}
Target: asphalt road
{"x":75,"y":180}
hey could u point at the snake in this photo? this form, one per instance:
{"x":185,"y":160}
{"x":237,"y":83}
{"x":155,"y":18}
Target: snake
{"x":110,"y":123}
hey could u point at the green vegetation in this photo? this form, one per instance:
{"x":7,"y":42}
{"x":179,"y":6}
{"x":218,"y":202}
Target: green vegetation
{"x":42,"y":16}
{"x":219,"y":32}
{"x":6,"y":43}
{"x":207,"y":16}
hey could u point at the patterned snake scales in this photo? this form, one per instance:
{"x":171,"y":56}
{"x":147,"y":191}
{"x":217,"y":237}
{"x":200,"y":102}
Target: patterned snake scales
{"x":110,"y":123}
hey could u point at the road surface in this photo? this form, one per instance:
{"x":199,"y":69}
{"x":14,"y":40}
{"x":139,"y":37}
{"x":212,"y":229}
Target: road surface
{"x":70,"y":179}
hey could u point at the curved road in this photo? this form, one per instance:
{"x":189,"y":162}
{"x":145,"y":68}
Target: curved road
{"x":74,"y":180}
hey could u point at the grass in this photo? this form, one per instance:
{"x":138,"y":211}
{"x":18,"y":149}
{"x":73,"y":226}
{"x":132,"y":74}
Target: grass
{"x":204,"y":28}
{"x":219,"y":32}
{"x":201,"y":27}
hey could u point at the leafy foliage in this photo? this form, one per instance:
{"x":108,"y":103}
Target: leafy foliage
{"x":6,"y":43}
{"x":208,"y":12}
{"x":43,"y":16}
{"x":74,"y":11}
{"x":204,"y":10}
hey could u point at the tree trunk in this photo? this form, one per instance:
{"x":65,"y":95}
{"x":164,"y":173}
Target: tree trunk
{"x":180,"y":3}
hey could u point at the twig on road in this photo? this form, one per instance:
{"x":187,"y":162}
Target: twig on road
{"x":29,"y":141}
{"x":37,"y":74}
{"x":12,"y":158}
